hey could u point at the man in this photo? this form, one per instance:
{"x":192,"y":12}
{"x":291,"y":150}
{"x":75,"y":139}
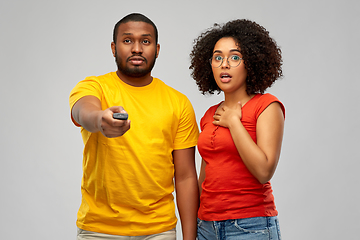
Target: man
{"x":129,"y":165}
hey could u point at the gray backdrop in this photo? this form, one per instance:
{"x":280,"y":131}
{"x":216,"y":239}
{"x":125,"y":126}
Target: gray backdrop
{"x":48,"y":46}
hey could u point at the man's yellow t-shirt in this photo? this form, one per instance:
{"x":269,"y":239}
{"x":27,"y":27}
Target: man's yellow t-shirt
{"x":127,"y":181}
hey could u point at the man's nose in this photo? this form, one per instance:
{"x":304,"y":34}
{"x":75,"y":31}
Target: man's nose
{"x":137,"y":48}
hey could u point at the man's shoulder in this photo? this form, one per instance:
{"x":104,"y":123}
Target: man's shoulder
{"x":104,"y":77}
{"x":169,"y":89}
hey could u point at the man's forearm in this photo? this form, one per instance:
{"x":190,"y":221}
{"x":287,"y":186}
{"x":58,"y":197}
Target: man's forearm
{"x":86,"y":113}
{"x":187,"y":195}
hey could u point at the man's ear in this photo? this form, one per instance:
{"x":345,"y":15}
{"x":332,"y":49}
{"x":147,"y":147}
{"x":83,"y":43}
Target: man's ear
{"x":157,"y":50}
{"x":113,"y":48}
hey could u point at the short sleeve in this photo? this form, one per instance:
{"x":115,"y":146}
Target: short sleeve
{"x":187,"y":132}
{"x":88,"y":87}
{"x":264,"y":101}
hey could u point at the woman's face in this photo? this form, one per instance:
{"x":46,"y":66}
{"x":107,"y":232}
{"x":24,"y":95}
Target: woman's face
{"x":228,"y":67}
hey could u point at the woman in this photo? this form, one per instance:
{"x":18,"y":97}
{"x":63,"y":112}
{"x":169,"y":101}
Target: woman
{"x":240,"y":139}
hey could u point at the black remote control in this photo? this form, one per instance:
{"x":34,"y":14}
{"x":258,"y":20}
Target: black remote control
{"x":120,"y":116}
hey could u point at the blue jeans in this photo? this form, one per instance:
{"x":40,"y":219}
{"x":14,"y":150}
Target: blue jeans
{"x":258,"y":228}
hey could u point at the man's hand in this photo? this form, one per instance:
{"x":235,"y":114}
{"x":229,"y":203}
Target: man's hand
{"x":111,"y":127}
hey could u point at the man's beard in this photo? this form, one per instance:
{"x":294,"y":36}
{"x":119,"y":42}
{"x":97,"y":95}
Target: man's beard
{"x":135,"y":72}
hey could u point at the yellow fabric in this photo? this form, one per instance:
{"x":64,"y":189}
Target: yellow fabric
{"x":127,"y":181}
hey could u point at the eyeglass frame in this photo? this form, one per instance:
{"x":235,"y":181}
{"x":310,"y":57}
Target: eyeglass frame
{"x":222,"y":61}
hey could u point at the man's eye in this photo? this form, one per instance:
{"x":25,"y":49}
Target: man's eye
{"x":127,"y":41}
{"x":146,"y":41}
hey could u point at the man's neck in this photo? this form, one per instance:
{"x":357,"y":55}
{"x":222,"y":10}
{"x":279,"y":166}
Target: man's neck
{"x":135,"y":81}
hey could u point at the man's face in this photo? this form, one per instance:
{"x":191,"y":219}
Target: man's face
{"x":135,"y":50}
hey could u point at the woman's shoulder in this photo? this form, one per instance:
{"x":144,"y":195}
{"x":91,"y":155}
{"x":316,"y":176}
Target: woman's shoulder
{"x":259,"y":103}
{"x":264,"y":100}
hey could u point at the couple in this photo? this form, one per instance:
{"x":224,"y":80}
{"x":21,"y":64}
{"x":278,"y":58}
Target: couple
{"x":129,"y":165}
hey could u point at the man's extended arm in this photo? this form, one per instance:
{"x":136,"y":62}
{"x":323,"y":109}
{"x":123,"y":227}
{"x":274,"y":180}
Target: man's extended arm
{"x":88,"y":113}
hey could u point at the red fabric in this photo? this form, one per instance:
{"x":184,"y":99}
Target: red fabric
{"x":230,"y":191}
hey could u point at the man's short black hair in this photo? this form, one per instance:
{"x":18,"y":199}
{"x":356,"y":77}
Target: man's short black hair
{"x":134,"y":17}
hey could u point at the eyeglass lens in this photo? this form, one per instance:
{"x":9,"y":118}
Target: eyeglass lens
{"x":233,"y":61}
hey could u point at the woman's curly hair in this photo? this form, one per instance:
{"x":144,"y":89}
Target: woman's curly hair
{"x":260,"y":53}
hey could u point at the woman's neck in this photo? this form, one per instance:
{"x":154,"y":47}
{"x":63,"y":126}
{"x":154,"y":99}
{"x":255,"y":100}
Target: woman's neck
{"x":233,"y":99}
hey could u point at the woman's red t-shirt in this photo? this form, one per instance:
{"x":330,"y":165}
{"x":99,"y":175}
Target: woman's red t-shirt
{"x":229,"y":190}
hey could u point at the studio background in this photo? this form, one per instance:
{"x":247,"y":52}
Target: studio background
{"x":49,"y":46}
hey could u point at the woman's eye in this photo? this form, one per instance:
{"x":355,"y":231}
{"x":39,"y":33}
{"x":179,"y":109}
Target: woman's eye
{"x":217,"y":58}
{"x":235,"y":58}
